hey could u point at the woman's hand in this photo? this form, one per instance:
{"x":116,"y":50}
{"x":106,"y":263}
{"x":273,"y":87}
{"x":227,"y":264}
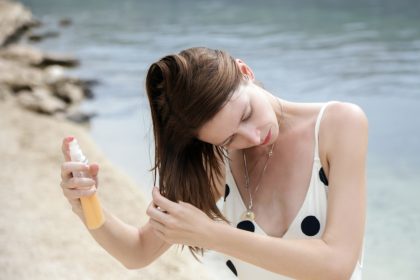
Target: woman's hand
{"x":73,"y":187}
{"x":179,"y":223}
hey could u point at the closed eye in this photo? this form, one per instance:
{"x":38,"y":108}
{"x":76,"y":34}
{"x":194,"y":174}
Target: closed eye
{"x":248,"y":116}
{"x":243,"y":120}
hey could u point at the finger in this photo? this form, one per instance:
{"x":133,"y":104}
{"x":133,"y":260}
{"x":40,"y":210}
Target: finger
{"x":78,"y":183}
{"x":68,"y":167}
{"x":154,"y":213}
{"x":93,"y":170}
{"x":76,"y":193}
{"x":65,"y":147}
{"x":75,"y":204}
{"x":163,"y":202}
{"x":187,"y":205}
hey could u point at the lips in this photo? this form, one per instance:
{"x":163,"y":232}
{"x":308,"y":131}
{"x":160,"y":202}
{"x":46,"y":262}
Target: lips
{"x":267,"y":138}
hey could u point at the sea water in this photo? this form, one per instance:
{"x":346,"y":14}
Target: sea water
{"x":366,"y":52}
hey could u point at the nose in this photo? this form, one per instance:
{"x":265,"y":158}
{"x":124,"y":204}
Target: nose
{"x":250,"y":134}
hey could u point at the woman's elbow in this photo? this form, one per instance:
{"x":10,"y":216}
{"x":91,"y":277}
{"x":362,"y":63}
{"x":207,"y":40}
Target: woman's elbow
{"x":137,"y":264}
{"x":337,"y":263}
{"x":340,"y":270}
{"x":134,"y":266}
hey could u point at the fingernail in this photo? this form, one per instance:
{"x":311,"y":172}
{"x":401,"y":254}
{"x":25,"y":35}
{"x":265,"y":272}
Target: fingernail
{"x":69,"y":138}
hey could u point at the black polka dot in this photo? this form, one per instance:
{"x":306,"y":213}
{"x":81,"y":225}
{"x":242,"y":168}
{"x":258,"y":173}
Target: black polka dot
{"x":246,"y":225}
{"x":232,"y":267}
{"x":322,"y":176}
{"x":310,"y":226}
{"x":227,"y":191}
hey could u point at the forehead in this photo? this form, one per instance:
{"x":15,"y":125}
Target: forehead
{"x":225,"y":122}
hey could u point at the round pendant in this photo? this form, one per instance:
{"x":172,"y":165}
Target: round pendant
{"x":248,"y":215}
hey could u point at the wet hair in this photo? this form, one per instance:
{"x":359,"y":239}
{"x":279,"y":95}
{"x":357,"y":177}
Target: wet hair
{"x":185,"y":91}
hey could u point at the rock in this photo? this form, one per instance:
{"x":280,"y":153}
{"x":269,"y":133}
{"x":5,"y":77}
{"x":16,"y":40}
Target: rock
{"x":33,"y":79}
{"x":87,"y":85}
{"x":5,"y":93}
{"x":65,"y":22}
{"x":28,"y":101}
{"x":40,"y":100}
{"x":15,"y":20}
{"x":59,"y":59}
{"x":50,"y":89}
{"x":69,"y":92}
{"x":17,"y":75}
{"x":22,"y":53}
{"x":84,"y":85}
{"x":42,"y":36}
{"x":54,"y":74}
{"x":32,"y":56}
{"x":79,"y":117}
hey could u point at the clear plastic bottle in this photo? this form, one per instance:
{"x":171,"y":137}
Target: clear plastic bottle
{"x":92,"y":209}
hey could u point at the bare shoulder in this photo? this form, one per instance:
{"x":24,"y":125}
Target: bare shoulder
{"x":344,"y":128}
{"x":344,"y":115}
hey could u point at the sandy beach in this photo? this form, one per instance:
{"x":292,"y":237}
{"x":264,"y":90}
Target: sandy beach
{"x":40,"y":236}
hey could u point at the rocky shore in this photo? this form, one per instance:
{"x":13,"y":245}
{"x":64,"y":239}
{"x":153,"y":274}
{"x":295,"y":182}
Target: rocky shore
{"x":40,"y":236}
{"x":33,"y":79}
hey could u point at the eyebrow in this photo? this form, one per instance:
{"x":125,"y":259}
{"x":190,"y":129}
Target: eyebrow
{"x":242,"y":116}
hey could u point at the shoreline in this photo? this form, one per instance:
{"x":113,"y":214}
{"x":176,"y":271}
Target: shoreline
{"x":39,"y":105}
{"x":44,"y":239}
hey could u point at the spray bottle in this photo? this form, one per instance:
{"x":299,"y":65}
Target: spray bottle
{"x":91,"y":205}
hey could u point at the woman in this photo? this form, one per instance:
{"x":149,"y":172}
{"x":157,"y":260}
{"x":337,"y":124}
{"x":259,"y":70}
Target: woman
{"x":291,"y":175}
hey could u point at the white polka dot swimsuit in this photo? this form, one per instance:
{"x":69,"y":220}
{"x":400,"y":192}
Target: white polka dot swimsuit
{"x":308,"y":223}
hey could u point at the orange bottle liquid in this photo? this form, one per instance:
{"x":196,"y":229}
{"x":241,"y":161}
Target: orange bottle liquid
{"x":92,"y":209}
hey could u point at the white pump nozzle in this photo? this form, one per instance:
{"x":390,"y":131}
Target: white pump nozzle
{"x":76,"y":153}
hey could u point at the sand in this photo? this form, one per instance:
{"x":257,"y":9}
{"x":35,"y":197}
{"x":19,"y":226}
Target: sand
{"x":40,"y":236}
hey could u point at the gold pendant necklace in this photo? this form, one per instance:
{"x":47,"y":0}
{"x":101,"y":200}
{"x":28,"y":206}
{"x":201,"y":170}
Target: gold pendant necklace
{"x":249,"y":214}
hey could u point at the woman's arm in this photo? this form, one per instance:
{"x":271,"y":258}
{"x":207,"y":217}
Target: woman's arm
{"x":334,"y":256}
{"x":133,"y":247}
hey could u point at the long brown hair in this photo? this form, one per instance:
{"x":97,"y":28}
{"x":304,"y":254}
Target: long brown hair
{"x":185,"y":91}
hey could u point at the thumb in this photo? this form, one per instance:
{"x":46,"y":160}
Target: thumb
{"x":93,"y":170}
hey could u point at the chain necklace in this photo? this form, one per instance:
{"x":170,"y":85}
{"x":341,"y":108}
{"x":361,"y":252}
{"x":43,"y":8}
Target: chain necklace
{"x":249,"y":214}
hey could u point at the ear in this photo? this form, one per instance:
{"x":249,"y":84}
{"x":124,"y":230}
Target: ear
{"x":245,"y":69}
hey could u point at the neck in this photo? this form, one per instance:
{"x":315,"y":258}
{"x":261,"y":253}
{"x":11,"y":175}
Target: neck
{"x":255,"y":160}
{"x":277,"y":104}
{"x":257,"y":152}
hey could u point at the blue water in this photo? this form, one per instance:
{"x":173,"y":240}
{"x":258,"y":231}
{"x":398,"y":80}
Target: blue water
{"x":366,"y":52}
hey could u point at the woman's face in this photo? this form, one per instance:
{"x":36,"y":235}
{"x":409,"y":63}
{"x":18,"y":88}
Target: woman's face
{"x":247,"y":120}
